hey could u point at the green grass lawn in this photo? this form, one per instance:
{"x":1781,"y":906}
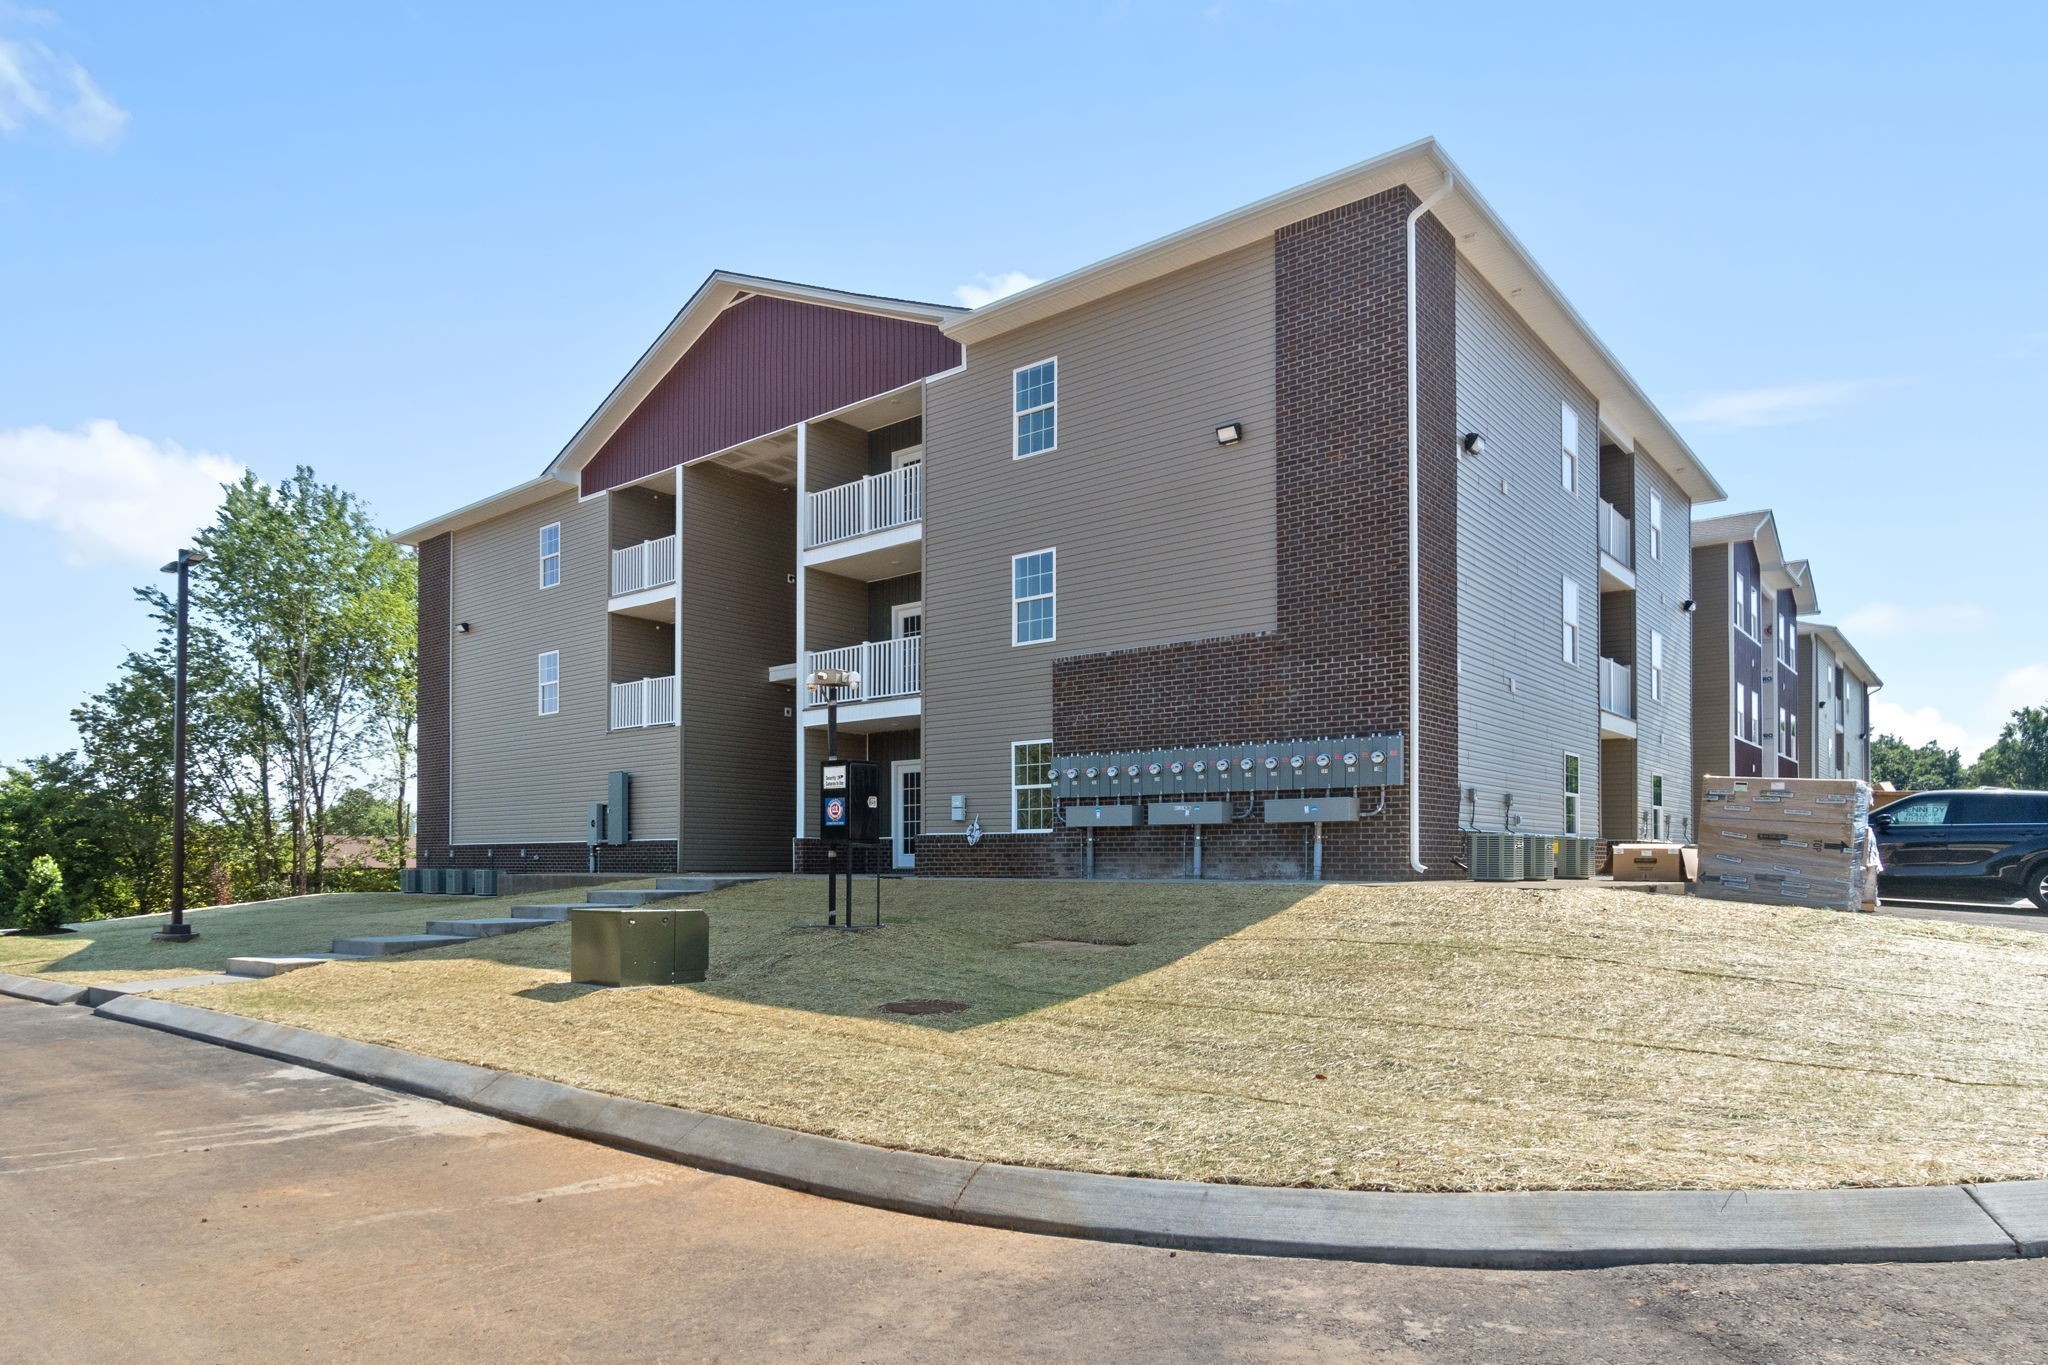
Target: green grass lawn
{"x":121,"y":950}
{"x":1443,"y":1036}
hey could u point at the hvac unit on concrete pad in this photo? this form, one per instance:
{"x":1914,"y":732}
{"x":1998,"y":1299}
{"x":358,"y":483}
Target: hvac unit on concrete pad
{"x":1539,"y":857}
{"x":1575,"y":856}
{"x":1493,"y":857}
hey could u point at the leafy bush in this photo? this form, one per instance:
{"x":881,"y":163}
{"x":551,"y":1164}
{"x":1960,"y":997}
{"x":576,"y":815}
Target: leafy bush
{"x":41,"y":908}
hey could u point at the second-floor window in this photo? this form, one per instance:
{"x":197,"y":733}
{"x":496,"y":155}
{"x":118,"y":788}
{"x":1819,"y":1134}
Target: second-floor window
{"x":550,"y":682}
{"x":551,"y":554}
{"x":1037,"y":407}
{"x":1571,"y":793}
{"x":1656,"y":527}
{"x":1741,"y":711}
{"x":1788,"y":642}
{"x":1568,"y":470}
{"x":1568,"y":609}
{"x":1656,"y":665}
{"x":1032,"y":597}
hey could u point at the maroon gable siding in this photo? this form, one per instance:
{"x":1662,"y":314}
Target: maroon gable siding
{"x":764,"y":364}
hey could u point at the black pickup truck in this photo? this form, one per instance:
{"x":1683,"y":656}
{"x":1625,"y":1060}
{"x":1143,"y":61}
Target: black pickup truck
{"x":1982,"y":844}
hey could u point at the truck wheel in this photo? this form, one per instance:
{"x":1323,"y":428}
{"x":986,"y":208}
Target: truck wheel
{"x":2037,"y":884}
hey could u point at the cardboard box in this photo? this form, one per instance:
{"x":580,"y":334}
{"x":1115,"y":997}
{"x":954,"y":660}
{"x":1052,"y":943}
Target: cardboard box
{"x":1649,"y":863}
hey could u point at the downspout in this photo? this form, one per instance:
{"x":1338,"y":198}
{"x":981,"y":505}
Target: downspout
{"x":1415,"y":863}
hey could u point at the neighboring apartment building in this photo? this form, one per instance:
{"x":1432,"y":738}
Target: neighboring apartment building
{"x":1341,"y":463}
{"x":1834,"y":689}
{"x":1747,"y":707}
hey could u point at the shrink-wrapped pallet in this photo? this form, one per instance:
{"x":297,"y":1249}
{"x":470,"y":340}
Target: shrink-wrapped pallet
{"x":1784,"y":840}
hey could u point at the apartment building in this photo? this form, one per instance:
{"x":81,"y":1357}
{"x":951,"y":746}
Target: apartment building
{"x":1748,"y":708}
{"x":1336,"y":483}
{"x":1835,"y":684}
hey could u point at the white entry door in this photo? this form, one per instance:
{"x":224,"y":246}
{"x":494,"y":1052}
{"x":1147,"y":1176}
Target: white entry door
{"x":906,"y":780}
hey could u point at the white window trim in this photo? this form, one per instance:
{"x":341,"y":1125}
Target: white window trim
{"x":1017,"y":412}
{"x":910,"y":455}
{"x":1572,"y":803}
{"x":1053,"y":596}
{"x":903,"y":609}
{"x":1656,"y":665}
{"x":1746,"y":621}
{"x":540,"y":541}
{"x":1568,"y":466}
{"x":1016,"y":787}
{"x":1568,"y":617}
{"x":1741,"y":711}
{"x":1656,"y":527}
{"x":543,"y":682}
{"x":1658,"y":828}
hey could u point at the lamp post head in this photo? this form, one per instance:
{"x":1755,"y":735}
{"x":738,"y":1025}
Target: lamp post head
{"x":185,"y":560}
{"x":834,"y":677}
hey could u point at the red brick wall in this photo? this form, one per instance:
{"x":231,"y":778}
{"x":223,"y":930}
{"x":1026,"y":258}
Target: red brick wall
{"x":1338,"y":664}
{"x":436,"y":564}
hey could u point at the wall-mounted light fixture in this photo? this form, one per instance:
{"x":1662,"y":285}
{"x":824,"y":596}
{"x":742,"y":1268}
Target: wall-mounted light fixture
{"x":1474,"y":444}
{"x":462,"y":627}
{"x":1230,"y":433}
{"x":1688,"y":606}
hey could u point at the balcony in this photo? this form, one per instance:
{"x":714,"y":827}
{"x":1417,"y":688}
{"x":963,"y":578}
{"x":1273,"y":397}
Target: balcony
{"x":868,"y":528}
{"x":650,"y":564}
{"x":890,"y":671}
{"x":650,"y":701}
{"x":1617,"y":700}
{"x":1617,"y":550}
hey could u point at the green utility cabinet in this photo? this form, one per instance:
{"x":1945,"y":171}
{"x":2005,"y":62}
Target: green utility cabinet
{"x":638,"y":945}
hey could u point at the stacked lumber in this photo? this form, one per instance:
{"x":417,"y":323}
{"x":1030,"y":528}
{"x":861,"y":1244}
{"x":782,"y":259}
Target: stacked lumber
{"x":1784,"y":840}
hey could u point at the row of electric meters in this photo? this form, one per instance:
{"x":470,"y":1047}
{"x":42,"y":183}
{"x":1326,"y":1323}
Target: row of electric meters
{"x":1278,"y":810}
{"x":1300,"y":765}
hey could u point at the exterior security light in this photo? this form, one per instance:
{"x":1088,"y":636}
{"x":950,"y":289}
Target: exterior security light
{"x":462,"y":627}
{"x":835,"y":677}
{"x":1474,"y":444}
{"x":1230,"y":433}
{"x":185,"y":560}
{"x":1688,"y":606}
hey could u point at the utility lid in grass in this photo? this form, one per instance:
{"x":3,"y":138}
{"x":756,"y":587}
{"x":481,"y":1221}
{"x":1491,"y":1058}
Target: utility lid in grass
{"x":925,"y":1006}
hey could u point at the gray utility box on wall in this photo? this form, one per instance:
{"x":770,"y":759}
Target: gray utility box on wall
{"x":1103,"y":817}
{"x":1311,"y":810}
{"x":1278,"y":766}
{"x":638,"y":945}
{"x":1188,"y":813}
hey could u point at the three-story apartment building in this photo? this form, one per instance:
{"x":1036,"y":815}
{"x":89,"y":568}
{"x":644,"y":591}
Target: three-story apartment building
{"x":1746,"y":697}
{"x":1338,"y":465}
{"x":1835,"y":684}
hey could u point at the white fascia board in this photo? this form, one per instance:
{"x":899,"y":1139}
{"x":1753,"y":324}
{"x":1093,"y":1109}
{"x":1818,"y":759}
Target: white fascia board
{"x":1838,"y":644}
{"x":485,"y":509}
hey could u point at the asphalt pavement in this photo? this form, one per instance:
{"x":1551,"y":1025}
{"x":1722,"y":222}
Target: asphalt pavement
{"x":166,"y":1199}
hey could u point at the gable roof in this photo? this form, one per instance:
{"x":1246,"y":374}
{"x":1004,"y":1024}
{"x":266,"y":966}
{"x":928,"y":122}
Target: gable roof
{"x":1483,"y":240}
{"x":1779,"y":573}
{"x":1839,"y":645}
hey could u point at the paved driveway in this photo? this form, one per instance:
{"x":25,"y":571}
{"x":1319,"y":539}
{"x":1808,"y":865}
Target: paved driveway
{"x":167,"y":1200}
{"x":2020,"y":914}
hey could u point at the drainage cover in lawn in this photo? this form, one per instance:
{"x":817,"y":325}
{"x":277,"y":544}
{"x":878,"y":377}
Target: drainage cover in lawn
{"x":925,"y":1006}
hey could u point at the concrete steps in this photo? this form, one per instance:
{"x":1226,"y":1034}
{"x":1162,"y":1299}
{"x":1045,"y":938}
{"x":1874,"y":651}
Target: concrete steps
{"x":384,"y":945}
{"x":278,"y":966}
{"x":688,"y":885}
{"x":545,"y":914}
{"x":481,"y":928}
{"x":629,"y":897}
{"x":95,"y":996}
{"x":442,"y":932}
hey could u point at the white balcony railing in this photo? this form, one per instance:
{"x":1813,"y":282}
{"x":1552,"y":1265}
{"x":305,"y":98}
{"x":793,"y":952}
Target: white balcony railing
{"x":1617,"y":689}
{"x":650,"y":564}
{"x":887,"y":668}
{"x":876,"y":503}
{"x":650,"y":701}
{"x":1617,"y":535}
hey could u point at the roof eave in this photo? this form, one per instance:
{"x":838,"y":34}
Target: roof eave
{"x":485,"y":509}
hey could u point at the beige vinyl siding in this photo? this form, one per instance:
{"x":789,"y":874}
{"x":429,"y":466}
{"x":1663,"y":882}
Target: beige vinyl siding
{"x":1162,"y":534}
{"x":516,"y":775}
{"x":642,"y":649}
{"x":739,"y":616}
{"x":835,"y":611}
{"x":1521,"y":708}
{"x":834,"y":454}
{"x":1663,"y":728}
{"x":1713,"y":678}
{"x":639,"y":514}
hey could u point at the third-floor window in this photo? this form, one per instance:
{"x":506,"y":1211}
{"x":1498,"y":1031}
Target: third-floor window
{"x":1037,"y":407}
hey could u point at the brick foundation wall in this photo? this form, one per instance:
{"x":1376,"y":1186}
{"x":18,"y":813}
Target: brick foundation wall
{"x":436,"y":566}
{"x":808,"y":857}
{"x":1338,"y":664}
{"x":642,"y":857}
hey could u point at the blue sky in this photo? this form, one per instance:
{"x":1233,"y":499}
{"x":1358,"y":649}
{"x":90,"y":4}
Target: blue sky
{"x":413,"y":245}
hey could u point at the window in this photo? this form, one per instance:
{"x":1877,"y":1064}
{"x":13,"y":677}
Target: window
{"x":1031,"y":786}
{"x":1569,"y":470}
{"x":1660,"y":823}
{"x":1755,"y":716}
{"x":550,"y":682}
{"x":1568,"y":606}
{"x":1031,"y":597}
{"x":1754,"y":616}
{"x":1656,"y":527}
{"x":1571,"y":793}
{"x":1932,"y":811}
{"x":906,"y":619}
{"x":1791,"y":734}
{"x":1656,"y":665}
{"x":1741,"y":709}
{"x":1037,"y":407}
{"x":1788,"y":642}
{"x":551,"y":554}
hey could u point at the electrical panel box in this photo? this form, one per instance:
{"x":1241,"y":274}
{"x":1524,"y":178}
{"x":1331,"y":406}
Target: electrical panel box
{"x":1188,"y":813}
{"x":1300,"y":765}
{"x":595,"y":833}
{"x":1284,"y":810}
{"x":1103,"y":817}
{"x":618,"y":820}
{"x":849,"y":801}
{"x":638,"y":945}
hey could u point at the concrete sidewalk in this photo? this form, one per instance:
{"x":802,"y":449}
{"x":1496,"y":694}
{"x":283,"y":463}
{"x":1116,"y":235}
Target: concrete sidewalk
{"x":1536,"y":1230}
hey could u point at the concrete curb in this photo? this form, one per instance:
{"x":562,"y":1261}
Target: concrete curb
{"x":1534,"y":1230}
{"x":40,"y":991}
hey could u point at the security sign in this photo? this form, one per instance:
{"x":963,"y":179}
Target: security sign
{"x":835,"y":812}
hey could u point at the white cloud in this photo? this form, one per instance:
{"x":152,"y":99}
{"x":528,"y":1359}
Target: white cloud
{"x":40,"y":86}
{"x":2026,"y":685}
{"x":111,"y":496}
{"x":1890,"y":620}
{"x":1774,"y":406}
{"x":1922,"y":726}
{"x":988,"y":288}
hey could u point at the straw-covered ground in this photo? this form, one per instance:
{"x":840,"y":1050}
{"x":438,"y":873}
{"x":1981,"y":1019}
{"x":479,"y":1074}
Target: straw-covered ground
{"x":1451,"y":1036}
{"x":122,"y":950}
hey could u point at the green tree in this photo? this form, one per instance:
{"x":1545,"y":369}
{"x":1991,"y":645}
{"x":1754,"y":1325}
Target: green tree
{"x":360,"y":812}
{"x":42,"y":907}
{"x":2020,"y":757}
{"x":1927,"y":768}
{"x":49,"y":808}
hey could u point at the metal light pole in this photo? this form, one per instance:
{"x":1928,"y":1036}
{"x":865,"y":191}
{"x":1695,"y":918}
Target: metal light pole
{"x":178,"y":931}
{"x":831,"y":681}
